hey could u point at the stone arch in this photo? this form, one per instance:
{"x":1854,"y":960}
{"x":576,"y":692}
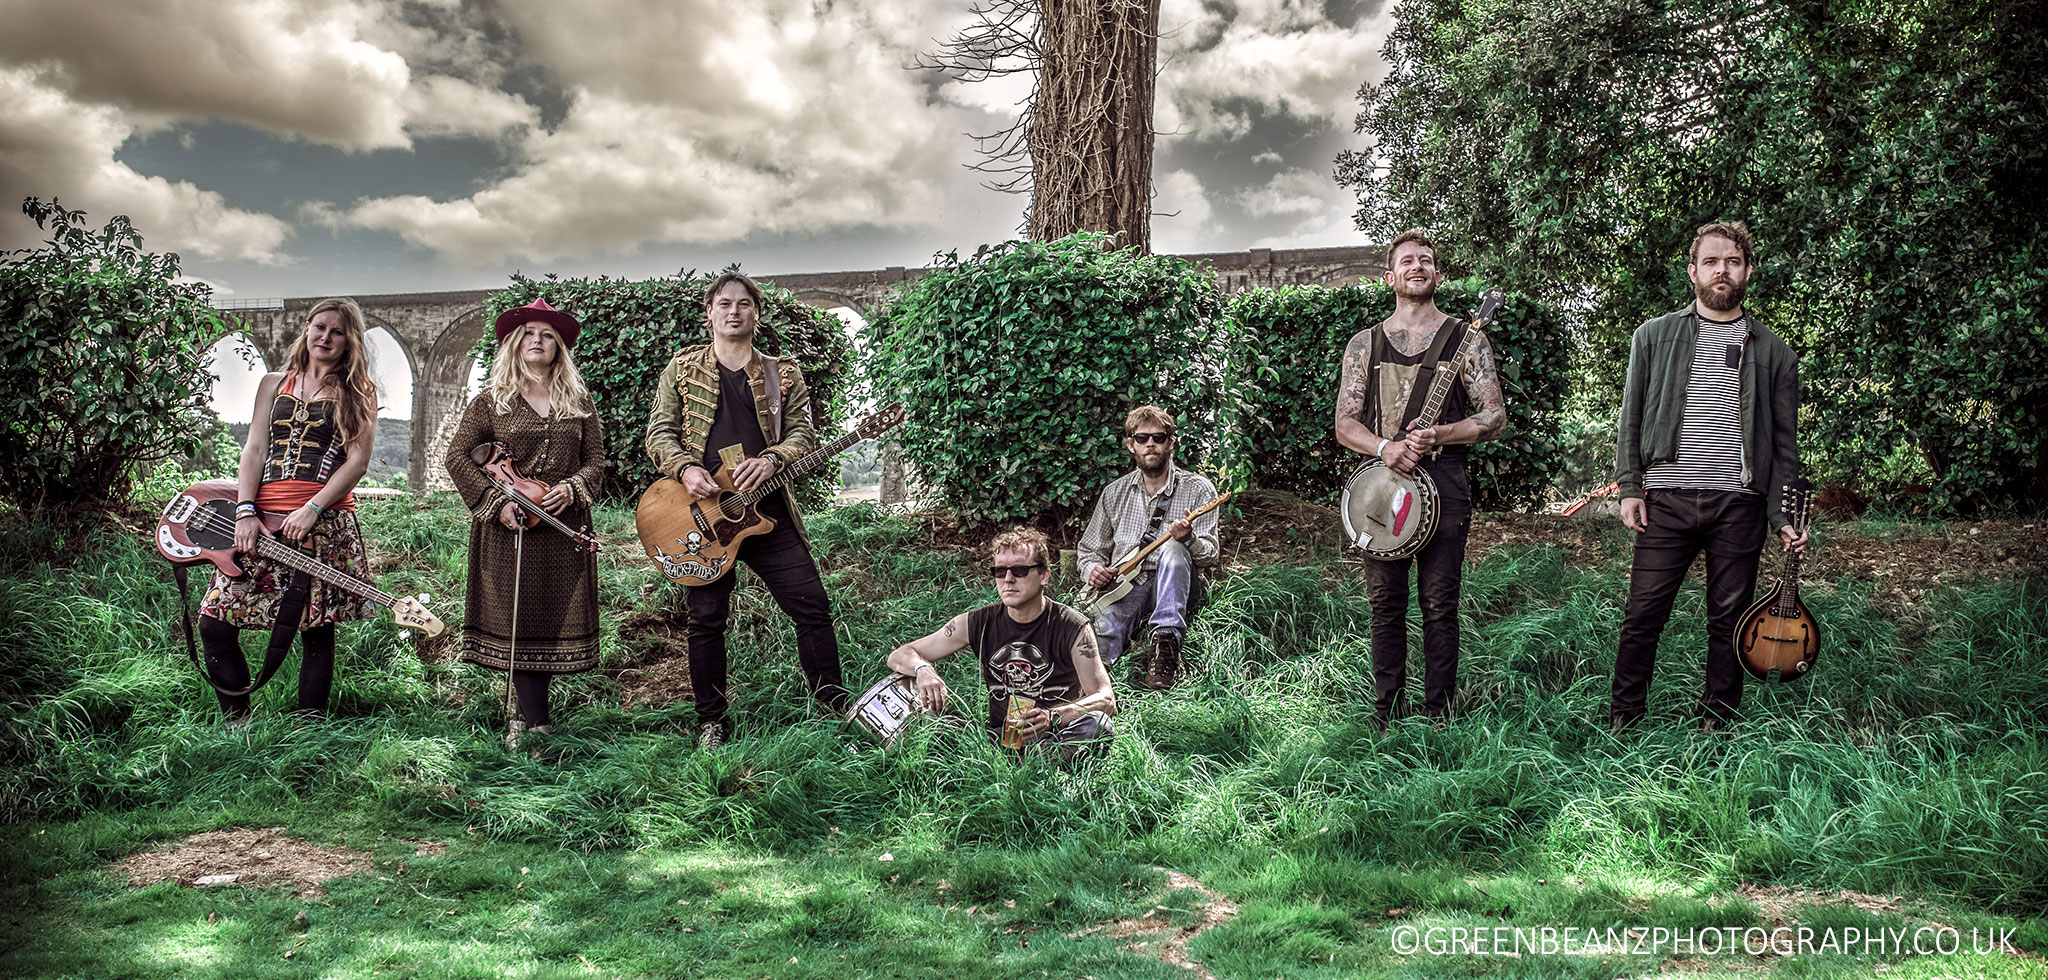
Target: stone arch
{"x":439,"y":395}
{"x":373,"y":323}
{"x":1350,"y":275}
{"x":827,"y":299}
{"x":235,"y":392}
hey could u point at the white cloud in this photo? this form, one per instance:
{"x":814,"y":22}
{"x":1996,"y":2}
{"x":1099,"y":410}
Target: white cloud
{"x":1181,"y":213}
{"x":1294,"y":191}
{"x":1278,"y":57}
{"x":705,"y":121}
{"x":54,"y":147}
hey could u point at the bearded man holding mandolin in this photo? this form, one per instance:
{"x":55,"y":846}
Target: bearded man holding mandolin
{"x":725,"y":419}
{"x":1398,"y":377}
{"x":1706,"y":444}
{"x":1155,"y":500}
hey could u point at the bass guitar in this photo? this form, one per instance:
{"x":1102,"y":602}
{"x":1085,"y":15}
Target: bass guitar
{"x":1777,"y":632}
{"x":1391,"y":516}
{"x":198,"y":525}
{"x":1092,"y":601}
{"x":693,"y":540}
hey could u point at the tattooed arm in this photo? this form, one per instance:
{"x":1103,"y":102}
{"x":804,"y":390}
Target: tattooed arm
{"x":911,"y":660}
{"x":1482,"y":389}
{"x":1353,"y":432}
{"x":1093,"y":674}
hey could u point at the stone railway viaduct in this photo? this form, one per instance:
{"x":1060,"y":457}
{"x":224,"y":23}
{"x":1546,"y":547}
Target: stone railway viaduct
{"x":438,"y":330}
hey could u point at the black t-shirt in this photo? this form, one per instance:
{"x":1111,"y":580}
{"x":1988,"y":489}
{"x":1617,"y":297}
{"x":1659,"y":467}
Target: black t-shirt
{"x":1034,"y":659}
{"x":735,"y":423}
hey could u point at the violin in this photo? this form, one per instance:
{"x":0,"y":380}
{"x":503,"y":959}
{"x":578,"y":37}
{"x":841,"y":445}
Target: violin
{"x":503,"y":471}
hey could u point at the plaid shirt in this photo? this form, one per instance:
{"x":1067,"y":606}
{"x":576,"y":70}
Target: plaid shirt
{"x":1124,"y":510}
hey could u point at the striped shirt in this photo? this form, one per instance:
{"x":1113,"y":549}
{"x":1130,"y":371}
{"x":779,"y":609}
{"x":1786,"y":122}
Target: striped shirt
{"x":1710,"y":452}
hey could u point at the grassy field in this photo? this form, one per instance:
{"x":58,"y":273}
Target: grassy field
{"x":1250,"y":821}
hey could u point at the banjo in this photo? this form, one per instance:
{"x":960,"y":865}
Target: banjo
{"x":1391,"y":516}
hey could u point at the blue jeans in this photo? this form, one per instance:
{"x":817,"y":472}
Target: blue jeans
{"x":1165,"y":597}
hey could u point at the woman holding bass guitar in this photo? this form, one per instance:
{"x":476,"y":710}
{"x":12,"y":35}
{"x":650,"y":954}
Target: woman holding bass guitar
{"x":534,"y":419}
{"x":310,"y":441}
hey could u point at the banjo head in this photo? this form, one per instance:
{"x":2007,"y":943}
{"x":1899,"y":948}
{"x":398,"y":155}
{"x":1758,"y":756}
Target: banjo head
{"x":1386,"y":515}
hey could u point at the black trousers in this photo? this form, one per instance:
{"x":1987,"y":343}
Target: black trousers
{"x":226,"y":664}
{"x":1439,"y":574}
{"x":1730,"y":527}
{"x":784,"y":564}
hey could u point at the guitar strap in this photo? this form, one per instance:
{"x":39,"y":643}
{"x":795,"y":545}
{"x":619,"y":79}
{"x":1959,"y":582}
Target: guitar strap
{"x":1158,"y":518}
{"x":771,"y":380}
{"x":1448,"y":338}
{"x":290,"y":611}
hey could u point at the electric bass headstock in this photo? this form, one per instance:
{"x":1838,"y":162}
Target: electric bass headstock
{"x":874,"y":425}
{"x":412,"y":612}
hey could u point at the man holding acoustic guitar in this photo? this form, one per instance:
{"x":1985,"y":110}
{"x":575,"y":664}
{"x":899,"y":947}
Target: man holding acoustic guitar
{"x":1396,"y":380}
{"x":1156,"y":499}
{"x":1705,"y":446}
{"x":726,"y":418}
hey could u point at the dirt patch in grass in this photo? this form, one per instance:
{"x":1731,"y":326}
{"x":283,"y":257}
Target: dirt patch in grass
{"x":1906,"y":564}
{"x":1581,"y":536}
{"x":1155,"y":935}
{"x":662,"y":674}
{"x":247,"y":857}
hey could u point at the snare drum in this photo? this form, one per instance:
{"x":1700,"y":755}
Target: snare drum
{"x":886,"y":709}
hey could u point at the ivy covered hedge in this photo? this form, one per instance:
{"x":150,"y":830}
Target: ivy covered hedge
{"x":1017,"y":366}
{"x":631,"y":329}
{"x":1282,"y":374}
{"x":103,"y":362}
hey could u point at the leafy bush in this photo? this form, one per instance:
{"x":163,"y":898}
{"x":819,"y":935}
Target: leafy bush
{"x":103,"y":364}
{"x":1282,"y":377}
{"x":1018,"y":365}
{"x":631,"y":329}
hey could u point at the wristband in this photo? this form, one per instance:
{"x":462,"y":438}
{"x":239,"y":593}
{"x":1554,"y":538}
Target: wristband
{"x":239,"y":504}
{"x":922,"y":664}
{"x":317,"y":509}
{"x":1382,"y":451}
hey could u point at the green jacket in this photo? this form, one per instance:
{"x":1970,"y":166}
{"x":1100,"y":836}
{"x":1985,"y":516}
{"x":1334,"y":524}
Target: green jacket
{"x":1653,"y":407}
{"x":686,"y":398}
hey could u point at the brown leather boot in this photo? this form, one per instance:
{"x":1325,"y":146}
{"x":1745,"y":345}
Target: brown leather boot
{"x":1163,"y":665}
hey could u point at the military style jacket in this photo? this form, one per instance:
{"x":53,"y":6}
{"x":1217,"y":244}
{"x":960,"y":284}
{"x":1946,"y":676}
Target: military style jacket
{"x":686,"y":399}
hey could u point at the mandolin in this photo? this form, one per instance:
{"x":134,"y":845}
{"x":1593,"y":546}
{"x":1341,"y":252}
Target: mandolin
{"x":198,"y":525}
{"x":1092,"y":601}
{"x":1777,"y":632}
{"x":694,"y":541}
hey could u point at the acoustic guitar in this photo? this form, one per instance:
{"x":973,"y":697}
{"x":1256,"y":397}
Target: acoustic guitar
{"x":1092,"y":601}
{"x":1391,"y":516}
{"x":694,"y":541}
{"x":198,"y":525}
{"x":1777,"y":632}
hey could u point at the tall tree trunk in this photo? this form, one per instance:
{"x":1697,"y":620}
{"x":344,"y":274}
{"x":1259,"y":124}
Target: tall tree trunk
{"x":1091,"y":120}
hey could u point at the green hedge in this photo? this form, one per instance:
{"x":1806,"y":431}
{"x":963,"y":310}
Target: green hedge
{"x":1282,"y":374}
{"x":103,"y":362}
{"x":632,"y":328}
{"x":1018,"y":365}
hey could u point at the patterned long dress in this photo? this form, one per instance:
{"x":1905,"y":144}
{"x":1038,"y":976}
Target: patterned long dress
{"x":557,"y":629}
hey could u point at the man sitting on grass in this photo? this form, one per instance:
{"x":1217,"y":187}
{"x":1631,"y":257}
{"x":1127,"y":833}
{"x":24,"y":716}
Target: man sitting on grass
{"x":1031,"y":648}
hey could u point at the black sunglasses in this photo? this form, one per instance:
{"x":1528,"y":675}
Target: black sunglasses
{"x":1148,"y":438}
{"x":1013,"y":571}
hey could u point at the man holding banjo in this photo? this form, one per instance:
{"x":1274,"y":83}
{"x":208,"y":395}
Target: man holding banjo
{"x":1387,"y":372}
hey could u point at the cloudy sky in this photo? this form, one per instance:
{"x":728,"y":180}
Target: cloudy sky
{"x":318,"y":147}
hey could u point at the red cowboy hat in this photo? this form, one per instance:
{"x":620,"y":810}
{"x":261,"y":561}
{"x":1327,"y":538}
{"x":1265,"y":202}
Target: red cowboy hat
{"x":539,"y":309}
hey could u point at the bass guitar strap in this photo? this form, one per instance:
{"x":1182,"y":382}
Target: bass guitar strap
{"x":771,"y":381}
{"x":290,"y":611}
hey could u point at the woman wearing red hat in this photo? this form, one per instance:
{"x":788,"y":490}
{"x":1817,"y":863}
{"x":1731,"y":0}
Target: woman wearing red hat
{"x":534,"y":403}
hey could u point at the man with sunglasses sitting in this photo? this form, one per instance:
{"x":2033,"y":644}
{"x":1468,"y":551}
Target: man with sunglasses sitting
{"x":1030,"y":647}
{"x":1130,"y":513}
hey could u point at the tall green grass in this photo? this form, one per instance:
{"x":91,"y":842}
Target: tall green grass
{"x":1912,"y":761}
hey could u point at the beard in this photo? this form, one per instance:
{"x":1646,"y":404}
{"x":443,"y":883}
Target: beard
{"x":1415,"y":291}
{"x":1720,"y":303}
{"x":1152,"y":468}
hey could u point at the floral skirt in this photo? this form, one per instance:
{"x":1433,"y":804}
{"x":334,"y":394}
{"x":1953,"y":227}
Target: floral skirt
{"x":251,"y":602}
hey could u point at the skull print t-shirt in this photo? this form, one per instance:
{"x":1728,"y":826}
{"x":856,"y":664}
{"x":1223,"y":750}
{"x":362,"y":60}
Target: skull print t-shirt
{"x":1034,"y":659}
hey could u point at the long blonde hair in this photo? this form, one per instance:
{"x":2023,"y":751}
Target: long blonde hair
{"x":356,"y":409}
{"x":510,"y":374}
